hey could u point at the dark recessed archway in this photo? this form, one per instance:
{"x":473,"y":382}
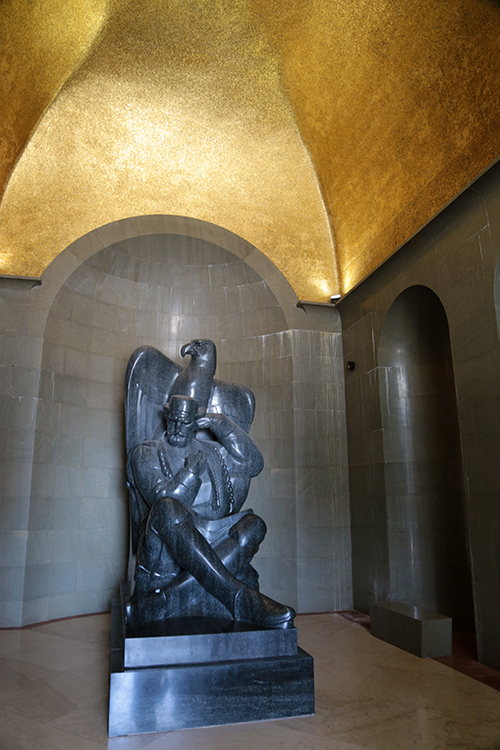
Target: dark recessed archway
{"x":427,"y":529}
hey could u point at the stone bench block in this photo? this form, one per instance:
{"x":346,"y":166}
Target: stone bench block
{"x":411,"y":628}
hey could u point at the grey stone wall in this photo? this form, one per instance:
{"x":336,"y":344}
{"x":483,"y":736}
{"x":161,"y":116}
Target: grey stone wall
{"x":20,"y":350}
{"x":162,"y":281}
{"x":456,"y":256}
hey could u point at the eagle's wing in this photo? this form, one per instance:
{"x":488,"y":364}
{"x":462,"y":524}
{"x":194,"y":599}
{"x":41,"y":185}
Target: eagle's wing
{"x":148,"y":380}
{"x":235,"y":401}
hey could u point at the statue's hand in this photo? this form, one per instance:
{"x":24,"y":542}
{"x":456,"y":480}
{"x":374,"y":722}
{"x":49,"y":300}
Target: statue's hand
{"x":207,"y":420}
{"x":220,"y":425}
{"x":196,"y":462}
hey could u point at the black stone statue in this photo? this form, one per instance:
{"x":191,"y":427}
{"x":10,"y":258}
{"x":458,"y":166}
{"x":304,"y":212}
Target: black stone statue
{"x":190,"y":462}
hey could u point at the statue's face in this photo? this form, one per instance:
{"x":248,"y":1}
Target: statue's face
{"x":180,"y":429}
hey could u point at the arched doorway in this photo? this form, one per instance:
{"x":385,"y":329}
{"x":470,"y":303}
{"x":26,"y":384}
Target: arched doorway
{"x":427,"y":528}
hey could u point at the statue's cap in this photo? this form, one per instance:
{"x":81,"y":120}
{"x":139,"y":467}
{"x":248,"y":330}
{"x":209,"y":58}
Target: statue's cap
{"x":182,"y":406}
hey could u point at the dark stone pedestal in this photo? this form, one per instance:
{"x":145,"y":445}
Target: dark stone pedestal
{"x":197,"y":672}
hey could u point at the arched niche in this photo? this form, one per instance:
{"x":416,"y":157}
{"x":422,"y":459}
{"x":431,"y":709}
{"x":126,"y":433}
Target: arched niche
{"x":427,"y":530}
{"x":161,"y":281}
{"x":156,"y":289}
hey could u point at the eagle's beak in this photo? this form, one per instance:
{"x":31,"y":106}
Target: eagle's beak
{"x":187,"y":349}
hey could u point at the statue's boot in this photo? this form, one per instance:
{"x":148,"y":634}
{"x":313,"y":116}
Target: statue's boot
{"x":141,"y":610}
{"x":255,"y":608}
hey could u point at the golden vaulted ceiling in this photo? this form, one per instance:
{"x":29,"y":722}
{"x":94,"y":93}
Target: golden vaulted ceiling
{"x":324,"y":132}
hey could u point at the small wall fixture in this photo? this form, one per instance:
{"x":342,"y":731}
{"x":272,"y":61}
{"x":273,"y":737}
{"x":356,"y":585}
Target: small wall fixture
{"x":335,"y":298}
{"x":351,"y":366}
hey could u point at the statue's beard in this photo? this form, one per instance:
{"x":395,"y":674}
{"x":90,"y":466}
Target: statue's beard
{"x":178,"y":440}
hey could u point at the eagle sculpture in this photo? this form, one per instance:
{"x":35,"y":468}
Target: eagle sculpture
{"x":151,"y":379}
{"x":196,"y":380}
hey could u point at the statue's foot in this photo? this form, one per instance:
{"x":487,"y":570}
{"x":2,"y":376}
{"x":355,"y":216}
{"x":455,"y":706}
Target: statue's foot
{"x":140,"y":610}
{"x":256,"y":609}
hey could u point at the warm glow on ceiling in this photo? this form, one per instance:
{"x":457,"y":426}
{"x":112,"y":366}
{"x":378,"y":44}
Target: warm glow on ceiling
{"x":323,"y":132}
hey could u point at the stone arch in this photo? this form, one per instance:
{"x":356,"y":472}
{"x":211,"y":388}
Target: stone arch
{"x":427,"y":530}
{"x":67,"y":341}
{"x":154,"y":288}
{"x":161,"y":281}
{"x":89,"y":244}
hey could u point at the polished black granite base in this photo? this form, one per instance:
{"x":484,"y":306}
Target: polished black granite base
{"x":198,"y":639}
{"x":198,"y":672}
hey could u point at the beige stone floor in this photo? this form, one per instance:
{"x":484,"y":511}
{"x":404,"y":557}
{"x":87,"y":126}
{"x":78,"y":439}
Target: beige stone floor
{"x":54,"y":692}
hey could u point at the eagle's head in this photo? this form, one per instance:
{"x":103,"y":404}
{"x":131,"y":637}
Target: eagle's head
{"x":201,"y":350}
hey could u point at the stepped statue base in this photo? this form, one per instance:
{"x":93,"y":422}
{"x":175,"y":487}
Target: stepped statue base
{"x":202,"y":672}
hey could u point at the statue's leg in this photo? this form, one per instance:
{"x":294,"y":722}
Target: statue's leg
{"x":174,"y":523}
{"x":236,"y":552}
{"x":155,"y":567}
{"x":243,"y":543}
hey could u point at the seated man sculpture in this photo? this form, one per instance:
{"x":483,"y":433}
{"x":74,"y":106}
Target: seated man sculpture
{"x":195,"y":550}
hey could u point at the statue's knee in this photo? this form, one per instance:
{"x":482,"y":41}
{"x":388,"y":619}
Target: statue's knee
{"x":167,"y":512}
{"x":250,"y":530}
{"x":260,"y":528}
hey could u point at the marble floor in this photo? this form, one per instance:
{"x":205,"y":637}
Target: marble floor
{"x":54,"y":692}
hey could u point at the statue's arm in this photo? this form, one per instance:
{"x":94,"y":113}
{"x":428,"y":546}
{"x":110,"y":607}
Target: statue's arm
{"x":235,"y":440}
{"x":154,"y":483}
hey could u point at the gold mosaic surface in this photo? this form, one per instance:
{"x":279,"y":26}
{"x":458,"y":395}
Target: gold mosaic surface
{"x":325,"y":132}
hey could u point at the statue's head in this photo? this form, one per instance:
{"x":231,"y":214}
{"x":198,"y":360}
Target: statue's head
{"x":181,"y":413}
